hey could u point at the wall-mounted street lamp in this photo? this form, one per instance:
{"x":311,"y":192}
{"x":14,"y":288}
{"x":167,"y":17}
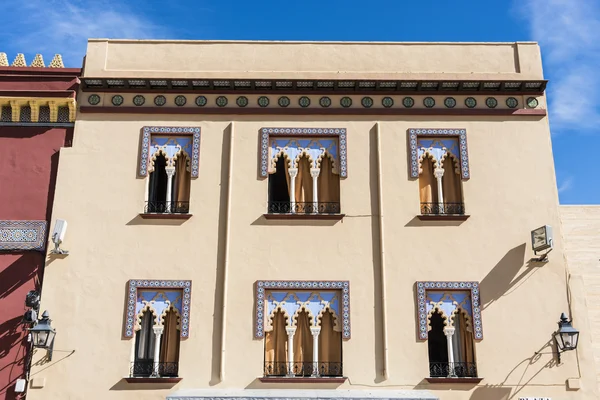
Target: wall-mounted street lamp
{"x":566,"y":337}
{"x":42,"y":334}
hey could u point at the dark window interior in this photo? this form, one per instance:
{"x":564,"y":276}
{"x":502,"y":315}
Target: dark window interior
{"x":278,"y":186}
{"x":438,"y":346}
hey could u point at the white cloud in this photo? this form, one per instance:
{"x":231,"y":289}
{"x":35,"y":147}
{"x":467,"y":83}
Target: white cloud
{"x":566,"y":184}
{"x":63,"y":26}
{"x":567,"y":31}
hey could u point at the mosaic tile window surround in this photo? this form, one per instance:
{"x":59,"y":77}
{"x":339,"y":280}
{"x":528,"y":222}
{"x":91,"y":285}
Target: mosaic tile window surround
{"x":315,"y":296}
{"x":268,"y":133}
{"x":460,"y":134}
{"x":176,"y":131}
{"x":22,"y":235}
{"x":158,"y":295}
{"x":445,"y":296}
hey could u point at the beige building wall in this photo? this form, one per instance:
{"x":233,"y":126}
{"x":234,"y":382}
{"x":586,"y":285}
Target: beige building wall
{"x":512,"y":191}
{"x":581,"y":231}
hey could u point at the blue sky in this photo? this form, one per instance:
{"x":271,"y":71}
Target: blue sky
{"x":568,"y":32}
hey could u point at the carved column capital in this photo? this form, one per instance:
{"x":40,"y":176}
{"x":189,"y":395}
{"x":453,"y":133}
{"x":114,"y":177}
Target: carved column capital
{"x":314,"y":172}
{"x":449,"y":331}
{"x":158,"y":330}
{"x":315,"y":330}
{"x":170,"y":171}
{"x":290,"y":330}
{"x":438,"y":172}
{"x":293,"y":172}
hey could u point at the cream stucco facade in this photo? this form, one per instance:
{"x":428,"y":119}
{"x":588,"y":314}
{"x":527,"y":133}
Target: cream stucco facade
{"x":379,"y":246}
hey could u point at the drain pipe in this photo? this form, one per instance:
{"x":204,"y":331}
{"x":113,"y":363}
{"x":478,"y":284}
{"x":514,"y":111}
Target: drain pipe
{"x":382,"y":256}
{"x":226,"y":255}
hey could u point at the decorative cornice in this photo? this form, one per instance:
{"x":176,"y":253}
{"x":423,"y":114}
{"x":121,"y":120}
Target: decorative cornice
{"x":313,"y":86}
{"x":38,"y":61}
{"x":22,"y":235}
{"x":33,"y":104}
{"x":307,"y":104}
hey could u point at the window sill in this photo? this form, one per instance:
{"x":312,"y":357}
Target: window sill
{"x":283,"y":379}
{"x":153,"y":380}
{"x":336,"y":217}
{"x":454,"y":380}
{"x":165,"y":216}
{"x":442,"y":217}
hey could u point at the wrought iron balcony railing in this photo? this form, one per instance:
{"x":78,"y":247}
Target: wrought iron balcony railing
{"x":452,"y":370}
{"x":286,"y":207}
{"x":303,"y":369}
{"x":442,"y":208}
{"x":147,"y":368}
{"x":167,"y":207}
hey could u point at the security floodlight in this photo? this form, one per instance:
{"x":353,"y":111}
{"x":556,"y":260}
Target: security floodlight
{"x":60,"y":228}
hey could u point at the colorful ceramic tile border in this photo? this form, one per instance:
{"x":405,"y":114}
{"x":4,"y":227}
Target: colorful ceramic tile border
{"x":461,"y":134}
{"x":22,"y":235}
{"x":147,"y":131}
{"x":265,"y":133}
{"x":135,"y":284}
{"x":473,"y":287}
{"x":263,"y":286}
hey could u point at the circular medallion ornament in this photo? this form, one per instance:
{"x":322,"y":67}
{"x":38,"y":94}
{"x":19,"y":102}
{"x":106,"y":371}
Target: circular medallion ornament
{"x":221,"y":101}
{"x":429,"y":102}
{"x":491,"y":102}
{"x":450,"y":102}
{"x":325,"y":101}
{"x":139,"y":100}
{"x":408,"y":102}
{"x":117,"y":100}
{"x":532,"y":102}
{"x":263,"y":101}
{"x":160,"y":100}
{"x":387,"y":102}
{"x":470,"y":102}
{"x":511,"y":102}
{"x":366,"y":102}
{"x":283,"y":101}
{"x":241,"y":101}
{"x":94,"y":99}
{"x":201,"y":101}
{"x":304,"y":101}
{"x":180,"y":100}
{"x":345,"y":102}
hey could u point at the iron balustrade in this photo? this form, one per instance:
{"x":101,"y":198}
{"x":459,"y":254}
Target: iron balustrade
{"x":167,"y":207}
{"x":147,"y":368}
{"x":442,"y":208}
{"x":303,"y":369}
{"x":452,"y":370}
{"x":287,"y":207}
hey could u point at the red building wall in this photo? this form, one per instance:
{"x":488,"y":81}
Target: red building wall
{"x":29,"y":153}
{"x":28,"y":165}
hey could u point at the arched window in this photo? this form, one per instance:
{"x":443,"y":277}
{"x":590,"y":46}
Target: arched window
{"x":451,"y":347}
{"x":330,"y":347}
{"x":303,"y":336}
{"x":144,"y":347}
{"x":276,"y":351}
{"x":304,"y":175}
{"x":169,"y":345}
{"x":157,"y":189}
{"x":452,"y":187}
{"x":171,"y":161}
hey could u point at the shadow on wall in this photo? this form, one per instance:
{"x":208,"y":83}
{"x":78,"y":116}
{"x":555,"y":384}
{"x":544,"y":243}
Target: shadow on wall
{"x":490,"y":392}
{"x":24,"y":268}
{"x":503,"y":277}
